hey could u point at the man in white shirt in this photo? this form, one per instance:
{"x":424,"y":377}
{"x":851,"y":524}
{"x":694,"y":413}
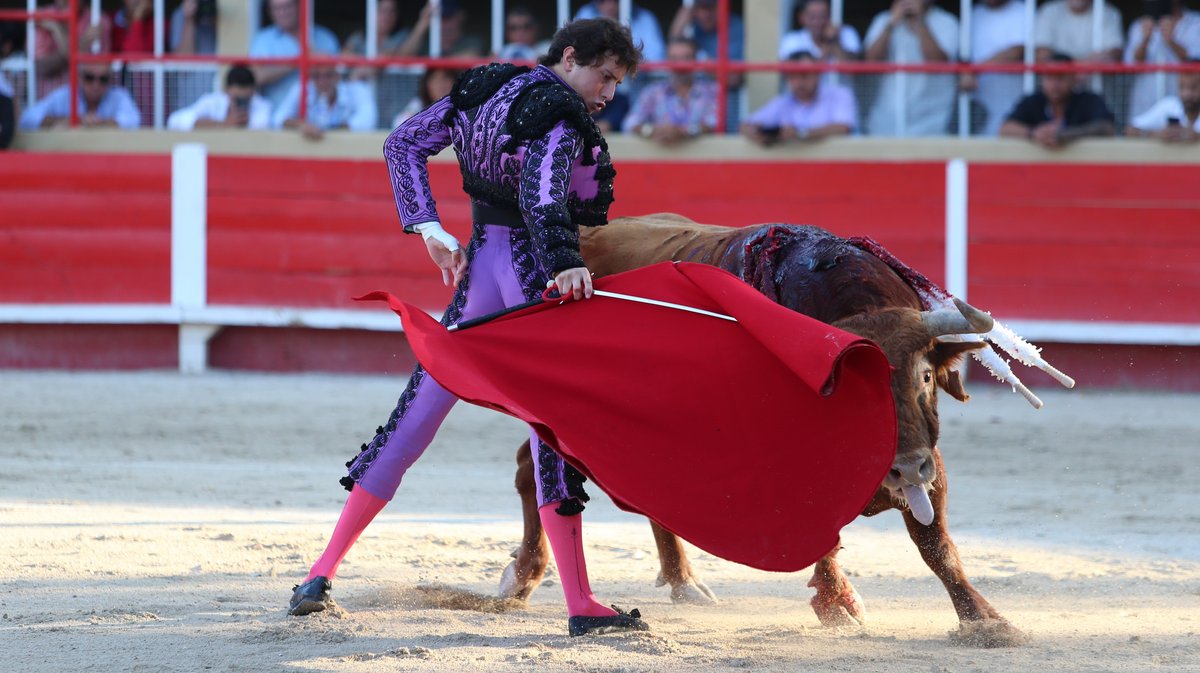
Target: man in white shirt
{"x":99,"y":103}
{"x":1174,"y":119}
{"x":909,"y":104}
{"x":816,"y":33}
{"x":1065,"y":26}
{"x":1168,"y":33}
{"x":331,"y":104}
{"x":235,"y":107}
{"x":997,"y":36}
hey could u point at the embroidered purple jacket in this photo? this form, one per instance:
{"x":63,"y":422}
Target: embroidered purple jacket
{"x":525,"y":142}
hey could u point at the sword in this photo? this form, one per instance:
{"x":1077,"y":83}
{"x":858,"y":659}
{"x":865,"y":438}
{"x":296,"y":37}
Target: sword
{"x":546,"y":297}
{"x":656,"y":302}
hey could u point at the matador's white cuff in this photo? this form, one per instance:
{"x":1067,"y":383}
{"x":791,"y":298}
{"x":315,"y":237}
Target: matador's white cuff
{"x":433,"y":229}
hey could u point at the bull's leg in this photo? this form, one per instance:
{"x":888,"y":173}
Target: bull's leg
{"x":528,"y":567}
{"x":675,"y":570}
{"x":979,"y":623}
{"x":837,"y":603}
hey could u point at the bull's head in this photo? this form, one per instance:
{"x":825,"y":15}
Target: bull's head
{"x":921,"y":364}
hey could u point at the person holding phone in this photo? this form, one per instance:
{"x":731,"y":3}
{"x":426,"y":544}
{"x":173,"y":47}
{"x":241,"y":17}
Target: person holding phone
{"x":193,"y":30}
{"x":810,"y":109}
{"x":1174,"y":119}
{"x":1165,"y":33}
{"x":237,"y":107}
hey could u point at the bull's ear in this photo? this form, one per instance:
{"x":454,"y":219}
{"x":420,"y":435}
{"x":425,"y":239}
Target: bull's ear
{"x":946,"y":357}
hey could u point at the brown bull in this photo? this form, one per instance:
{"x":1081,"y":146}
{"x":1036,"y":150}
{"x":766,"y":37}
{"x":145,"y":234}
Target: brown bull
{"x":811,"y":271}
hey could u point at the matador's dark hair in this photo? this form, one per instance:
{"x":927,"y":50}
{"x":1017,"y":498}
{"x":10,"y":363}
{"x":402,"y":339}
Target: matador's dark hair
{"x":594,"y":41}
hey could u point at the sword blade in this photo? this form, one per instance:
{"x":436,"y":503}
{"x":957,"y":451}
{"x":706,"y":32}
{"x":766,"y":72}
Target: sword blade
{"x":666,"y":304}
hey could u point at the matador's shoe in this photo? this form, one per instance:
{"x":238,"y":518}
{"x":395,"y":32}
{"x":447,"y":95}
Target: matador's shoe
{"x":312,"y":596}
{"x":622,"y":621}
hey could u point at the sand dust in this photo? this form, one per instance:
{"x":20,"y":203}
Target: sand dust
{"x":155,"y":522}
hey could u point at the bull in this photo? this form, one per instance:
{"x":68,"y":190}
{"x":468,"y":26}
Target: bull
{"x":814,"y":272}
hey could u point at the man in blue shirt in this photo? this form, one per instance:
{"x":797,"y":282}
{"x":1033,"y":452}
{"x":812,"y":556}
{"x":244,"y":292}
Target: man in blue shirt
{"x":282,"y":39}
{"x":99,"y":103}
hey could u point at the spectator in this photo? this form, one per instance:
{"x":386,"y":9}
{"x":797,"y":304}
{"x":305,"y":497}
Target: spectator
{"x":193,"y":30}
{"x":642,"y":23}
{"x":456,"y":41}
{"x":680,"y":108}
{"x":389,"y":39}
{"x":332,"y":104}
{"x":699,"y":23}
{"x":280,"y":39}
{"x":238,"y":106}
{"x":1059,"y":113}
{"x":1174,"y":119}
{"x":912,"y":31}
{"x":808,"y":110}
{"x":99,"y":104}
{"x":1167,"y":33}
{"x":1065,"y":26}
{"x":7,"y":112}
{"x":50,"y":57}
{"x":815,"y":33}
{"x":435,"y":85}
{"x":997,"y":37}
{"x":12,"y":41}
{"x":521,"y":36}
{"x":133,"y":27}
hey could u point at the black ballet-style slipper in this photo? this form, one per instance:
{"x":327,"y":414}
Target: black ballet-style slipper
{"x":582,"y":625}
{"x":312,"y":596}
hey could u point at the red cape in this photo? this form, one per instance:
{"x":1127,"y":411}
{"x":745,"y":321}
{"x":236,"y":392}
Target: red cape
{"x":756,"y":440}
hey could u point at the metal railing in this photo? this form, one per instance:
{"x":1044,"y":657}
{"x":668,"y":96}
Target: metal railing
{"x":862,"y":75}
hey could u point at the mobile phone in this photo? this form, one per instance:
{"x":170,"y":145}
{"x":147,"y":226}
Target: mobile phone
{"x":206,"y":9}
{"x":1174,"y":121}
{"x":241,"y":103}
{"x":770,"y":132}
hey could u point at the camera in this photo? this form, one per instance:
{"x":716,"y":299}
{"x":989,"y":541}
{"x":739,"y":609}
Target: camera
{"x":241,"y":103}
{"x":770,"y":132}
{"x":1157,"y":9}
{"x":1174,"y":121}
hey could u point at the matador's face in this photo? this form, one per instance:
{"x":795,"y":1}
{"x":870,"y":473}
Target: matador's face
{"x":596,"y":83}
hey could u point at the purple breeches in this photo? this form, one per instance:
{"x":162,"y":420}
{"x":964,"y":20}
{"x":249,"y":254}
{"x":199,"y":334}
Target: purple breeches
{"x":502,"y":272}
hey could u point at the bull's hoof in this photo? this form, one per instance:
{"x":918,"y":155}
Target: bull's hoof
{"x":988,"y":633}
{"x":513,"y":587}
{"x":835,"y":610}
{"x":693,"y":592}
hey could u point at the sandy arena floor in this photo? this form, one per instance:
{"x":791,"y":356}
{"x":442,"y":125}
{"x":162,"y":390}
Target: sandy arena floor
{"x":154,"y":522}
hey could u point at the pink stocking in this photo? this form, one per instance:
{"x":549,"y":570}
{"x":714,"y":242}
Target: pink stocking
{"x":566,"y":541}
{"x":361,"y":508}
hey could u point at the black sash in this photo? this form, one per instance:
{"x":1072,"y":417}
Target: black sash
{"x":486,"y":213}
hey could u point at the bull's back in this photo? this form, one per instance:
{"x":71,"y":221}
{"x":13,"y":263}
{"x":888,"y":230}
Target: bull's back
{"x":805,"y":268}
{"x":632,"y":242}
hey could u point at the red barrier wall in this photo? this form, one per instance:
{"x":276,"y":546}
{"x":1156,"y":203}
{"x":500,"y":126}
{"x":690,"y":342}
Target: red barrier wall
{"x":1047,"y":241}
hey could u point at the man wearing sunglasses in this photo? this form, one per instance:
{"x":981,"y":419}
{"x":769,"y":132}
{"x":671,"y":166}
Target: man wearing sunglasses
{"x":99,"y":102}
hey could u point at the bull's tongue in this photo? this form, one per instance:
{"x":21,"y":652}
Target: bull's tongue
{"x":918,"y":503}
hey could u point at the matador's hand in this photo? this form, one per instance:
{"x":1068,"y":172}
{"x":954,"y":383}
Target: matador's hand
{"x":453,"y":263}
{"x":577,"y":282}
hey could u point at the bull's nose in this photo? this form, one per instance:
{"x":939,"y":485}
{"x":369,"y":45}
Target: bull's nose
{"x":919,"y":471}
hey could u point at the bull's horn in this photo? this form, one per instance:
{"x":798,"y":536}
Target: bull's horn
{"x":966,"y":320}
